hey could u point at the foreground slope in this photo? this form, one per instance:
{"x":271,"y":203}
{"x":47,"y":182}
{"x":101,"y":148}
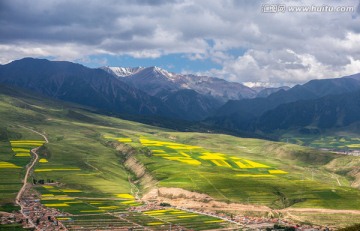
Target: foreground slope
{"x":81,"y":156}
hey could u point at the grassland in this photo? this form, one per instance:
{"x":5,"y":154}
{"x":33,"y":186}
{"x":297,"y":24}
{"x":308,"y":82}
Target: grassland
{"x":92,"y":174}
{"x":332,"y":140}
{"x":301,"y":184}
{"x":14,"y":156}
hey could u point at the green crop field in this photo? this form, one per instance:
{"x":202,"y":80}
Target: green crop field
{"x":332,"y":140}
{"x":14,"y":156}
{"x":94,"y":180}
{"x":301,"y":181}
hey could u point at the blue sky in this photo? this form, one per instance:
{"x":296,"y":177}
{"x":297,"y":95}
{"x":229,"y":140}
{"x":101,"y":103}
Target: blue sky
{"x":177,"y":63}
{"x":230,"y":39}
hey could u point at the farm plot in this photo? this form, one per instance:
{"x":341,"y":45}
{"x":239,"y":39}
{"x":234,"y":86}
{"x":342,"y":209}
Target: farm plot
{"x":340,"y":142}
{"x":76,"y":201}
{"x":95,"y":222}
{"x":233,"y":178}
{"x":185,"y":219}
{"x":14,"y":156}
{"x":153,"y":220}
{"x":196,"y":156}
{"x":22,"y":148}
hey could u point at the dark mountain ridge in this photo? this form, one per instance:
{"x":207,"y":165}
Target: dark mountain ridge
{"x":331,"y":111}
{"x":315,"y":103}
{"x":75,"y":83}
{"x":245,"y":114}
{"x":310,"y":90}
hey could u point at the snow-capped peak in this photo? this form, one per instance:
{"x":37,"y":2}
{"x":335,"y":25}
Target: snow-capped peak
{"x":162,"y":72}
{"x":154,"y":80}
{"x":122,"y":71}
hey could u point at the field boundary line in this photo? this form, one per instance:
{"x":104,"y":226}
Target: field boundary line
{"x":217,"y":190}
{"x":336,"y":178}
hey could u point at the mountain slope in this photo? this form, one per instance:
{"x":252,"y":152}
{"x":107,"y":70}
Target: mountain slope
{"x":190,"y":104}
{"x":88,"y":142}
{"x":121,"y":71}
{"x":76,"y":83}
{"x":155,"y":80}
{"x":152,"y":80}
{"x":327,"y":112}
{"x":311,"y":90}
{"x":265,"y":92}
{"x":244,"y":114}
{"x":172,"y":89}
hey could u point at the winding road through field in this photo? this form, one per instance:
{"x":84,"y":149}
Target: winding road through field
{"x":28,"y":170}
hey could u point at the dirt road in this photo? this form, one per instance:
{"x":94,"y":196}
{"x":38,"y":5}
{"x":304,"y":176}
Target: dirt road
{"x":25,"y":180}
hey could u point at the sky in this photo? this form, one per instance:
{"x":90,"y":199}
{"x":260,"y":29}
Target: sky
{"x":256,"y":42}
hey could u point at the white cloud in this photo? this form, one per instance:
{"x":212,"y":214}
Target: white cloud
{"x":282,"y":48}
{"x":281,"y":67}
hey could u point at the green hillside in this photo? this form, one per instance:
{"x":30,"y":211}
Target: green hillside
{"x":81,"y":155}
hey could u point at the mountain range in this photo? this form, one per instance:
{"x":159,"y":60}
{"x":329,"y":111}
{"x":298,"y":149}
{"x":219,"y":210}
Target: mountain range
{"x":153,"y":92}
{"x":149,"y":91}
{"x":159,"y":82}
{"x":78,"y":84}
{"x":330,"y":111}
{"x":268,"y":113}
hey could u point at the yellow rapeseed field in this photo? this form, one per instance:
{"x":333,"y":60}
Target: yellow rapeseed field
{"x":70,"y":190}
{"x":43,"y":160}
{"x":8,"y":165}
{"x":277,"y":171}
{"x":214,"y":221}
{"x":56,"y":169}
{"x":22,"y":154}
{"x":186,"y":154}
{"x":57,"y":205}
{"x":155,"y":223}
{"x":124,"y":140}
{"x":187,"y":216}
{"x":125,"y":196}
{"x":20,"y":150}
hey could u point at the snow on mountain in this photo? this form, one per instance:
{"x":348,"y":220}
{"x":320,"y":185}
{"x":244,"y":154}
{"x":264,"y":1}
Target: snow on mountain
{"x":157,"y":81}
{"x":217,"y":87}
{"x":122,"y":71}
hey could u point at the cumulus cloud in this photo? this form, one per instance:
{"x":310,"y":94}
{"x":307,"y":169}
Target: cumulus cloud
{"x":280,"y":48}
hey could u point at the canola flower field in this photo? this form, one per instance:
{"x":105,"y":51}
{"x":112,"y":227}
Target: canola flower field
{"x":90,"y":210}
{"x":224,"y":176}
{"x":74,"y":201}
{"x":92,"y":213}
{"x":236,"y":177}
{"x":196,"y":156}
{"x":91,"y":172}
{"x":14,"y":157}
